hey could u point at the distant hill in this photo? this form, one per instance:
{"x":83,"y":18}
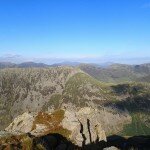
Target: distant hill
{"x":118,"y":72}
{"x":36,"y":65}
{"x":106,"y":72}
{"x":22,"y":65}
{"x":145,"y":79}
{"x":66,"y":63}
{"x":31,"y":64}
{"x":7,"y":65}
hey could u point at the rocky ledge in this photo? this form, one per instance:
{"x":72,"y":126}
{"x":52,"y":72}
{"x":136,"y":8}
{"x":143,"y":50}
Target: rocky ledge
{"x":81,"y":127}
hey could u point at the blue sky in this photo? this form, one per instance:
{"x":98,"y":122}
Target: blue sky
{"x":75,"y":28}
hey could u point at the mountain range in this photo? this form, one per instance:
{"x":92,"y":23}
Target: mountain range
{"x":105,"y":72}
{"x":115,"y":98}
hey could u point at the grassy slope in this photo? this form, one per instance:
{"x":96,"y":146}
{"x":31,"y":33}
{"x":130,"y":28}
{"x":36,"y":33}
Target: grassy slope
{"x":117,"y":73}
{"x":137,"y":127}
{"x":80,"y":89}
{"x":138,"y":105}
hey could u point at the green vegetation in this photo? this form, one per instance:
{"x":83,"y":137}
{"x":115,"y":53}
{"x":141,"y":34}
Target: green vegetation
{"x":137,"y":127}
{"x":27,"y":143}
{"x":80,"y":89}
{"x":52,"y":122}
{"x":132,"y":88}
{"x":118,"y":73}
{"x":54,"y":101}
{"x":135,"y":99}
{"x":22,"y":141}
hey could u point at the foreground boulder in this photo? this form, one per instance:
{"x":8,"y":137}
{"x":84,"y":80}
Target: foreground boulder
{"x":81,"y":127}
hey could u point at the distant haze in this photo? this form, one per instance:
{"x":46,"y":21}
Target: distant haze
{"x":97,"y":60}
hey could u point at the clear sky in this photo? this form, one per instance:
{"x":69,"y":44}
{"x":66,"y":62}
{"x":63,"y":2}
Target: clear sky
{"x":75,"y":28}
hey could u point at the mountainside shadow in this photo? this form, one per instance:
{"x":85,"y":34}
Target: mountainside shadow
{"x":58,"y":142}
{"x":137,"y":99}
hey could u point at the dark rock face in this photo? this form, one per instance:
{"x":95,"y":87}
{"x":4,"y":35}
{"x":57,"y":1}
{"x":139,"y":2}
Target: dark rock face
{"x":135,"y":142}
{"x":58,"y":142}
{"x":54,"y":141}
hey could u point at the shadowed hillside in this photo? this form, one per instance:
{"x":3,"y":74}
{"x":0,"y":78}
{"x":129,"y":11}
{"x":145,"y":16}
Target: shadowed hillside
{"x":135,"y":99}
{"x":58,"y":142}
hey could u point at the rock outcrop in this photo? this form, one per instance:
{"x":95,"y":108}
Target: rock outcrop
{"x":111,"y":148}
{"x":82,"y":127}
{"x":66,"y":128}
{"x":22,"y":123}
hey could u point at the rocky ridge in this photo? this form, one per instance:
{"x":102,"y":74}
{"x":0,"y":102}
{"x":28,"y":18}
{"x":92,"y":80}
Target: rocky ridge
{"x":82,"y":127}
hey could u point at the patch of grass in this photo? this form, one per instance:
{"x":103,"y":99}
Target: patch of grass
{"x":17,"y":141}
{"x":27,"y":143}
{"x":54,"y":101}
{"x":137,"y":127}
{"x":39,"y":147}
{"x":52,"y":122}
